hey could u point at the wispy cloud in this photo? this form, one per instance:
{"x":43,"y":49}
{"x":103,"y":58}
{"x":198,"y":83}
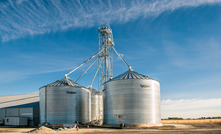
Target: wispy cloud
{"x":9,"y":76}
{"x":191,"y":108}
{"x":198,"y":54}
{"x":35,"y":64}
{"x":23,"y":18}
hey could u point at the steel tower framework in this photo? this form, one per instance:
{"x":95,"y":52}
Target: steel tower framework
{"x":104,"y":57}
{"x":106,"y":44}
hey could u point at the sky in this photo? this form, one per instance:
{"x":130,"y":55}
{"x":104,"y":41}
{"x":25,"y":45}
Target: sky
{"x":177,"y":42}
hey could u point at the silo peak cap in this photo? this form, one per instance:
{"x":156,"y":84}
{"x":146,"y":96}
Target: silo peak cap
{"x":130,"y":69}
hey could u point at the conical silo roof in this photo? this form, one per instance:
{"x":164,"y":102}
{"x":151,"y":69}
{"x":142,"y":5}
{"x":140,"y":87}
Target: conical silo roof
{"x":64,"y":82}
{"x":130,"y":74}
{"x":94,"y":90}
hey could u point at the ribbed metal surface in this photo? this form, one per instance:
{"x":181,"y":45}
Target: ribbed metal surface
{"x":63,"y":82}
{"x":132,"y":101}
{"x":130,"y":75}
{"x":95,"y":107}
{"x":64,"y":101}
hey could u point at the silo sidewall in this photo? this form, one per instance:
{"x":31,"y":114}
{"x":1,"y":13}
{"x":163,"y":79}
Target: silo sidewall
{"x":132,"y":101}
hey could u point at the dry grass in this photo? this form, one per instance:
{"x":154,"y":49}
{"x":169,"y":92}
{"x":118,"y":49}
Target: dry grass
{"x":193,"y":121}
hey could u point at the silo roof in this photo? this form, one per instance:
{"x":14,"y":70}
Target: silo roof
{"x":34,"y":104}
{"x":130,"y":74}
{"x":64,"y":82}
{"x":94,"y":90}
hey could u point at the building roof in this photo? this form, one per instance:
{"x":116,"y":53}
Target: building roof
{"x":15,"y":100}
{"x":34,"y":104}
{"x":64,"y":82}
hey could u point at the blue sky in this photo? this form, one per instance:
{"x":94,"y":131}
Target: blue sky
{"x":177,"y":42}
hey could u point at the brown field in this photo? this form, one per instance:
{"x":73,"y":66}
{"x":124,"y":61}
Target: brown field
{"x":200,"y":126}
{"x":193,"y":121}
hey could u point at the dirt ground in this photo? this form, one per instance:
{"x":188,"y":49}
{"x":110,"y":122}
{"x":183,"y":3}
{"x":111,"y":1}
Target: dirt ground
{"x":193,"y":121}
{"x":210,"y":128}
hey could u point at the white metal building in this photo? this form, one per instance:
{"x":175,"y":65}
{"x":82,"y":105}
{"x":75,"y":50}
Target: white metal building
{"x":14,"y":110}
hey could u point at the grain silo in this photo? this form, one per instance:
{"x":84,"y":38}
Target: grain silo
{"x":133,"y":99}
{"x":96,"y":105}
{"x":64,"y":101}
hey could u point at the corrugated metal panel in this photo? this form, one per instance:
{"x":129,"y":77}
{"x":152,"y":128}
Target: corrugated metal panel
{"x":130,"y":75}
{"x":26,"y":112}
{"x":132,"y":101}
{"x":64,"y":82}
{"x":36,"y":111}
{"x":42,"y":104}
{"x":95,"y":107}
{"x":14,"y":121}
{"x":12,"y":111}
{"x":2,"y":114}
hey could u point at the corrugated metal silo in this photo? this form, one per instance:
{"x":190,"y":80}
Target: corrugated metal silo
{"x":64,"y":101}
{"x":95,"y":105}
{"x":133,"y":99}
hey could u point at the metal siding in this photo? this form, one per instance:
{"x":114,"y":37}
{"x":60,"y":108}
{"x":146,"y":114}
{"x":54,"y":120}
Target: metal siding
{"x":95,"y":106}
{"x":16,"y":121}
{"x":26,"y":112}
{"x":12,"y":121}
{"x":131,"y":102}
{"x":62,"y":107}
{"x":23,"y":121}
{"x":36,"y":111}
{"x":42,"y":105}
{"x":100,"y":104}
{"x":36,"y":114}
{"x":12,"y":112}
{"x":36,"y":121}
{"x":2,"y":114}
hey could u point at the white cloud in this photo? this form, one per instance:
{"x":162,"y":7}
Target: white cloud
{"x":27,"y":18}
{"x":191,"y":108}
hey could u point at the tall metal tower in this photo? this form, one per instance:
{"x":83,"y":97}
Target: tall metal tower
{"x":106,"y":58}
